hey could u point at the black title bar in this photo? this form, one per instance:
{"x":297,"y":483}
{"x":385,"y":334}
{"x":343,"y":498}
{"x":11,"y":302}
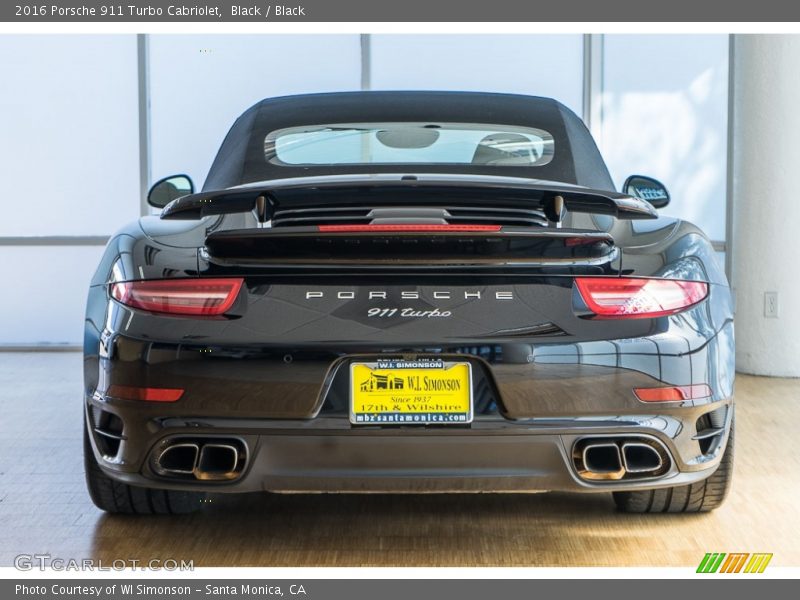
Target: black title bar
{"x":397,"y":589}
{"x":465,"y":11}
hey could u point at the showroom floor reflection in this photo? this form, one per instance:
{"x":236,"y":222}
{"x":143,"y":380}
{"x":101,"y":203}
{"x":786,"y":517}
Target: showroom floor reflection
{"x":44,"y":508}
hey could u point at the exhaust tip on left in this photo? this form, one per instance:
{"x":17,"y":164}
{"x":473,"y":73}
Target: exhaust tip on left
{"x":177,"y":459}
{"x":217,"y":461}
{"x":203,"y":459}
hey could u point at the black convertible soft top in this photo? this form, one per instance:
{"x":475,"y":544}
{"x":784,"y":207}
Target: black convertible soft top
{"x":241,"y":158}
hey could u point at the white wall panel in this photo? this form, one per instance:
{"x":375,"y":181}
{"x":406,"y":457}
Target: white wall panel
{"x":665,"y":115}
{"x":765,"y":159}
{"x":200,"y":84}
{"x":69,"y":124}
{"x":541,"y":65}
{"x":44,"y":293}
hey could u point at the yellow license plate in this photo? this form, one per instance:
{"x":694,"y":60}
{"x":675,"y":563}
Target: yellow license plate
{"x":410,"y":391}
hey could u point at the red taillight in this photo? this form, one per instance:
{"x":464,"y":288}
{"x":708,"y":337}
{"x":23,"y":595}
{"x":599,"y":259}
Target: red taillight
{"x":676,"y":393}
{"x":196,"y":297}
{"x":146,"y":394}
{"x":628,"y":297}
{"x":401,"y":228}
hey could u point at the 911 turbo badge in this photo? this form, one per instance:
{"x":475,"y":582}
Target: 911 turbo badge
{"x":415,"y":292}
{"x":408,"y":312}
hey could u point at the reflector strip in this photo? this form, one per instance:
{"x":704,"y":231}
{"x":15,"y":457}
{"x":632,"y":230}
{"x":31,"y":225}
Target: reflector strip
{"x":677,"y":393}
{"x":147,"y":394}
{"x":410,"y":228}
{"x":571,"y":242}
{"x":638,"y":297}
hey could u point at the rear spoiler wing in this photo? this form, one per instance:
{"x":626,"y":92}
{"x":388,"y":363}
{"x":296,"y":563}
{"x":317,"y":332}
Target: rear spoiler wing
{"x":553,"y":198}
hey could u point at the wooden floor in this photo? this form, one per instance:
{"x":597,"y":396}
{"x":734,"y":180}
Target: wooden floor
{"x":45,"y":509}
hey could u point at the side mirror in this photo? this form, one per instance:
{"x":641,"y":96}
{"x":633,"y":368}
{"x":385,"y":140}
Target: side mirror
{"x":646,"y":188}
{"x":166,"y":190}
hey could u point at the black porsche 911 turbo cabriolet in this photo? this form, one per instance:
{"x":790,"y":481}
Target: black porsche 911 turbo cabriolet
{"x":408,"y":292}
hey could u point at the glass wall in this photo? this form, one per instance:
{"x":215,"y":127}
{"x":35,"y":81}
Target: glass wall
{"x":69,"y":117}
{"x":665,"y":114}
{"x":46,"y":303}
{"x":540,"y":65}
{"x":69,"y":120}
{"x":200,"y":84}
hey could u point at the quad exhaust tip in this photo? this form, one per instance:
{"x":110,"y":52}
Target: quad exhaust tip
{"x":603,"y":459}
{"x":205,"y":460}
{"x":217,"y":461}
{"x":641,"y":458}
{"x":610,"y":459}
{"x":178,"y":459}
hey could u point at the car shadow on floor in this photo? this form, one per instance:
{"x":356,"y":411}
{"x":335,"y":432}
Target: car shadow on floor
{"x":382,"y":530}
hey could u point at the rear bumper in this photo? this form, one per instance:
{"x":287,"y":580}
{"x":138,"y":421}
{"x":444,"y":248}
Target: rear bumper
{"x":492,"y":455}
{"x":289,"y":408}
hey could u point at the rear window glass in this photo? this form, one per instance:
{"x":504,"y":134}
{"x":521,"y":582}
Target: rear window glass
{"x":409,"y":143}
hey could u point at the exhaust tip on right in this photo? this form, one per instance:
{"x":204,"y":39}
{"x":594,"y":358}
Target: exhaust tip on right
{"x":625,"y":458}
{"x":602,"y":459}
{"x":641,"y":458}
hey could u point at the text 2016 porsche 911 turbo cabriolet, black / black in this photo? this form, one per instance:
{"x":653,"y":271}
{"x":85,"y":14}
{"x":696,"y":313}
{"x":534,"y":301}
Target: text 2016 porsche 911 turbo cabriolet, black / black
{"x":408,"y":292}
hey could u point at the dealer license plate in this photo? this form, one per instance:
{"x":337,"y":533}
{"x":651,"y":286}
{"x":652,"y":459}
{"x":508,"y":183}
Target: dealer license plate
{"x":410,"y":391}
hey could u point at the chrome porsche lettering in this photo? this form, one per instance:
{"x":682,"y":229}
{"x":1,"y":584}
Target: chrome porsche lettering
{"x":405,"y":295}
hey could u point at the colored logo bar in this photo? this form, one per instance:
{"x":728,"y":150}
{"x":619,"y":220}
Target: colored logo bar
{"x":734,"y":562}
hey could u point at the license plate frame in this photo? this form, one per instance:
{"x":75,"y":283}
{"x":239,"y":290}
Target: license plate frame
{"x":434,"y":398}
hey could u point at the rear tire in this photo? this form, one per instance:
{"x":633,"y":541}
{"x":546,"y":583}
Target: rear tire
{"x":120,"y":498}
{"x":703,"y":496}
